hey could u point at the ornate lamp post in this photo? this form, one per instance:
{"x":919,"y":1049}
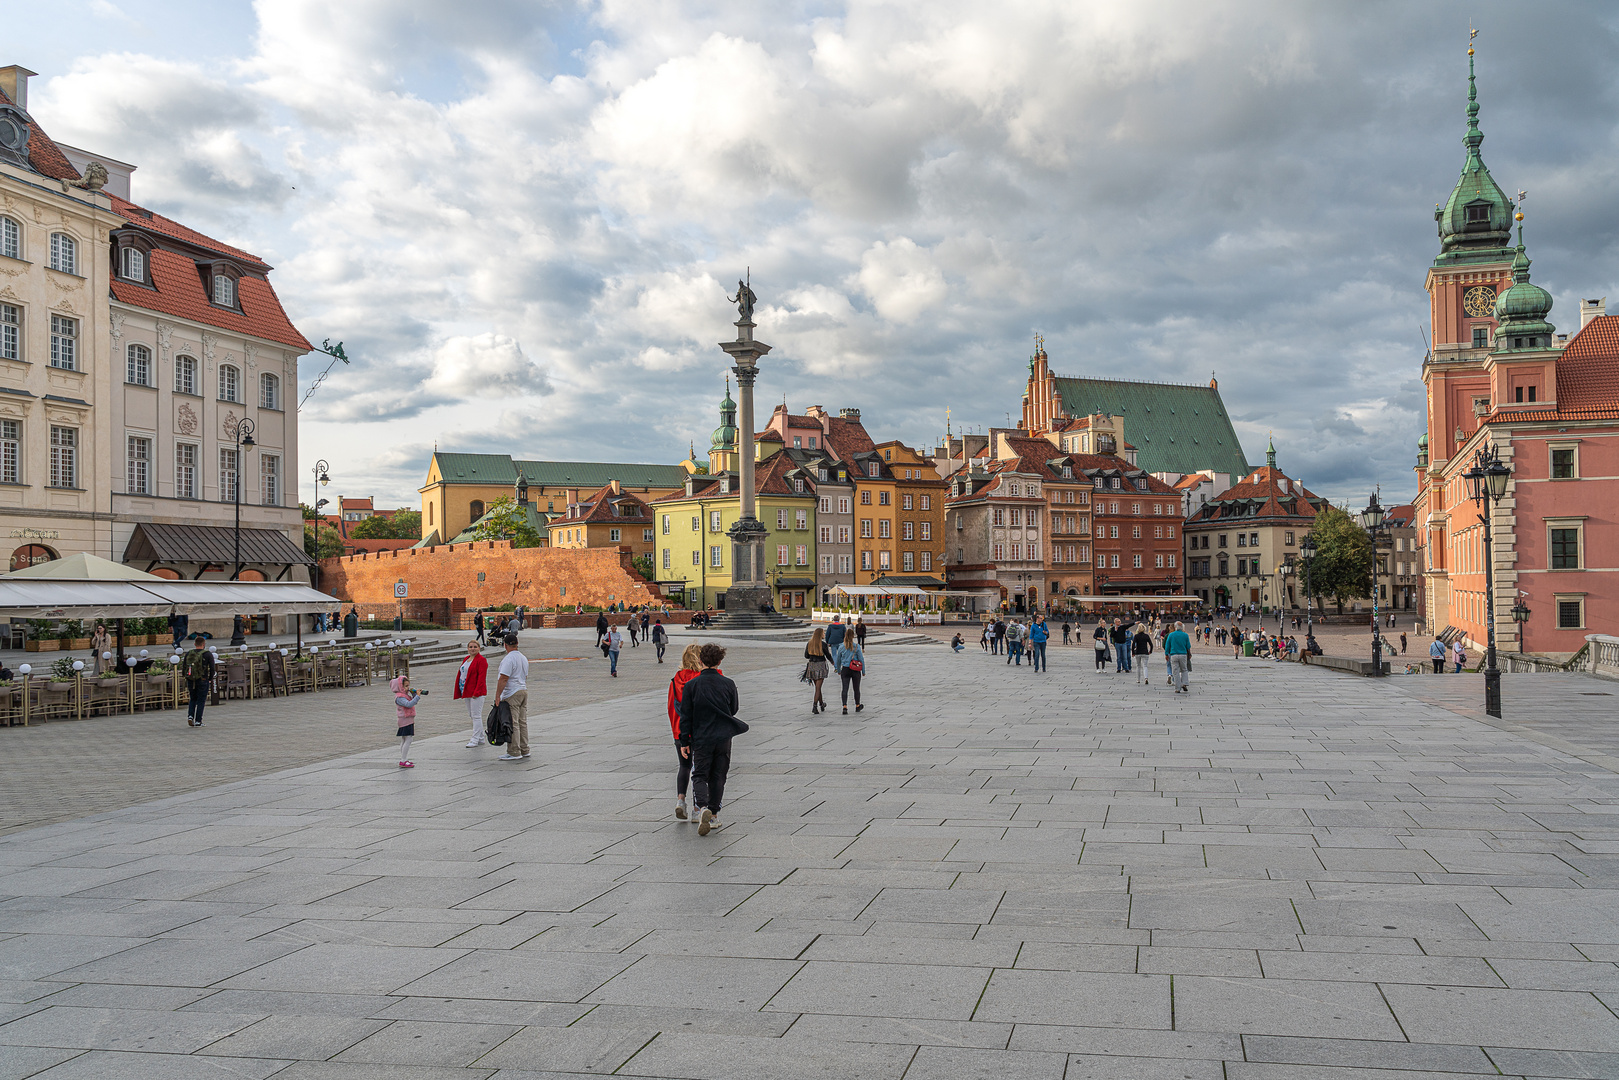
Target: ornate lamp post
{"x":321,"y":479}
{"x":1371,"y":519}
{"x":244,"y":443}
{"x":1288,"y":567}
{"x":1307,"y":548}
{"x":749,"y":590}
{"x":1486,"y":484}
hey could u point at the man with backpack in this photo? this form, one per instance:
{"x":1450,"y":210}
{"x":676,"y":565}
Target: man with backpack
{"x":708,"y":722}
{"x":660,"y":638}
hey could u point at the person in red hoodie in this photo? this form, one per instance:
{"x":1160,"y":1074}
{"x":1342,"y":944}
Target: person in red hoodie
{"x":471,"y":685}
{"x":690,"y":667}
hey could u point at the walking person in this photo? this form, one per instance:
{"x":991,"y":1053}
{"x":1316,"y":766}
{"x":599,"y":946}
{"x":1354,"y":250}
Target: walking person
{"x":1140,"y":649}
{"x":1014,"y":643}
{"x":601,"y":629}
{"x":983,"y":637}
{"x":850,"y":661}
{"x":835,"y":632}
{"x":708,"y":723}
{"x":1458,"y":656}
{"x":816,"y":669}
{"x":100,"y":642}
{"x":1039,"y":634}
{"x":1067,"y":629}
{"x":1100,"y":641}
{"x":472,"y":686}
{"x":1119,"y":635}
{"x":512,"y":688}
{"x":997,"y":644}
{"x":614,"y":642}
{"x":1178,"y":647}
{"x":646,"y":625}
{"x":660,"y":638}
{"x":860,"y":631}
{"x":197,"y":669}
{"x":1436,"y":653}
{"x":690,"y":665}
{"x":405,"y":700}
{"x":477,"y":625}
{"x":1402,"y":642}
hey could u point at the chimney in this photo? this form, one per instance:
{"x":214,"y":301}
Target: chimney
{"x":573,"y":496}
{"x":617,"y":489}
{"x":1592,"y":309}
{"x":852,"y":415}
{"x":14,"y":81}
{"x":691,"y":484}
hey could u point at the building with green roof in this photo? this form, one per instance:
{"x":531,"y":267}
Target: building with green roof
{"x":1170,"y":427}
{"x":460,"y":487}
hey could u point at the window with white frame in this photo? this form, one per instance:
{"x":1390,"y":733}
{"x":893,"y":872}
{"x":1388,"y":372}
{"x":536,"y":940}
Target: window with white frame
{"x":871,"y":468}
{"x":10,"y":238}
{"x":1113,"y":564}
{"x":716,"y":556}
{"x":269,"y":391}
{"x":229,"y":473}
{"x":138,"y":365}
{"x":1135,"y":561}
{"x":1172,"y":560}
{"x":801,"y":555}
{"x":64,"y":253}
{"x":666,"y":524}
{"x":138,"y":465}
{"x":667,"y":554}
{"x":907,"y":531}
{"x":927,"y":560}
{"x":885,"y":529}
{"x":927,"y":530}
{"x":843,"y":504}
{"x":696,"y":524}
{"x":10,"y":332}
{"x":826,"y":502}
{"x":1159,"y":561}
{"x":885,"y":560}
{"x":906,"y":501}
{"x":826,"y":534}
{"x":845,"y":564}
{"x":270,"y":479}
{"x":781,"y":554}
{"x":230,"y":379}
{"x":646,"y":536}
{"x":64,"y":457}
{"x":64,"y":343}
{"x":10,"y":452}
{"x":613,"y":536}
{"x":801,"y":519}
{"x":1017,"y":552}
{"x":132,"y":264}
{"x":907,"y":562}
{"x":714,"y":521}
{"x":224,"y":290}
{"x":185,"y":374}
{"x":185,"y":470}
{"x":998,"y":552}
{"x":826,"y":564}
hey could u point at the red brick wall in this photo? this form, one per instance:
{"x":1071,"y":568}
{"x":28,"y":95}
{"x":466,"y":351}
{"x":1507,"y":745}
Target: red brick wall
{"x":532,"y":577}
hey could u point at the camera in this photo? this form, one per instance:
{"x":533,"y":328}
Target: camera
{"x":424,"y":693}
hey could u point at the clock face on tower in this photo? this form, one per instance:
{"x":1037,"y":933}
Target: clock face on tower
{"x":1479,"y":300}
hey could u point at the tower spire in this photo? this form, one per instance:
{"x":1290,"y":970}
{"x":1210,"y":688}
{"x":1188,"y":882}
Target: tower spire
{"x":1475,"y":223}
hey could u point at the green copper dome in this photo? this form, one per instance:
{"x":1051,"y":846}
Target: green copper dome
{"x":1521,"y":311}
{"x":1475,"y":224}
{"x":725,"y":435}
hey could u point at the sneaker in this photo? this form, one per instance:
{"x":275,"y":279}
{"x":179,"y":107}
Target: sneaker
{"x":858,"y":707}
{"x":680,"y":810}
{"x":525,"y":757}
{"x":705,"y":822}
{"x":407,"y":764}
{"x":474,"y":742}
{"x":510,"y":757}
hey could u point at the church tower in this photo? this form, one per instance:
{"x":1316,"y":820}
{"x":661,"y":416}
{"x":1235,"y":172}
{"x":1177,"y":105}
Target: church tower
{"x":722,"y":448}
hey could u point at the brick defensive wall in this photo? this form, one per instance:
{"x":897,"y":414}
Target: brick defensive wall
{"x":488,"y":573}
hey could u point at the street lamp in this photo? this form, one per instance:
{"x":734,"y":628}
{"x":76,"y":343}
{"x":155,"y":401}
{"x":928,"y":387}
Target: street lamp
{"x":1371,"y":519}
{"x":244,"y":443}
{"x":1520,"y":612}
{"x":1307,"y":548}
{"x":1486,"y":484}
{"x":1288,"y":567}
{"x":321,"y":479}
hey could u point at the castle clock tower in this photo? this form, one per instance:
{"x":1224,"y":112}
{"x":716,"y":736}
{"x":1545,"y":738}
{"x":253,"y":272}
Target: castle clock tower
{"x":1473,"y":269}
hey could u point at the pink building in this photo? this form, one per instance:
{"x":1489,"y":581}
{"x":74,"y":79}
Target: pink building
{"x":1500,"y":376}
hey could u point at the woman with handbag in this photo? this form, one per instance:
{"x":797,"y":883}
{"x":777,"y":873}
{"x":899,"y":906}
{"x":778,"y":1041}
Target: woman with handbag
{"x":816,"y":668}
{"x":690,"y":666}
{"x":850,"y":660}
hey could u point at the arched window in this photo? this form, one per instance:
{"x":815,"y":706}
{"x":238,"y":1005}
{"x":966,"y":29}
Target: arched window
{"x":269,"y":391}
{"x":10,"y":238}
{"x":132,"y":264}
{"x":64,"y":253}
{"x":476,"y":509}
{"x":185,"y":374}
{"x":138,"y":365}
{"x":230,"y":383}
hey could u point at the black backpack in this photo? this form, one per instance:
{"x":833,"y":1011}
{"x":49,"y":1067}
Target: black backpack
{"x":497,"y":728}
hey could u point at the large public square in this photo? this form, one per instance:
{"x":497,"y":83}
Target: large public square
{"x":987,"y":873}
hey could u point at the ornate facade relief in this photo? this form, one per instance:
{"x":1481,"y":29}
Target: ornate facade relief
{"x":185,"y":419}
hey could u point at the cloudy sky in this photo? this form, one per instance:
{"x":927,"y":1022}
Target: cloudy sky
{"x":520,"y":216}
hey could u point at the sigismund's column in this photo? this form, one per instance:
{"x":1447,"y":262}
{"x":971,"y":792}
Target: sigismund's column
{"x":749,"y":589}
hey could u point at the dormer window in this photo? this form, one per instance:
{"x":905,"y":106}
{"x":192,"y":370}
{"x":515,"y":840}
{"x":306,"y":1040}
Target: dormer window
{"x":1478,"y":214}
{"x":132,"y":264}
{"x":224,"y":291}
{"x":871,"y":468}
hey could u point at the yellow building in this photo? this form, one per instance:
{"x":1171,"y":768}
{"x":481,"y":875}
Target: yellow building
{"x":461,"y":487}
{"x":608,"y":517}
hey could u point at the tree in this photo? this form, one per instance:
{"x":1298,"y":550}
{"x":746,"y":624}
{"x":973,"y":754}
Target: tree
{"x":308,"y":511}
{"x":643,"y":566}
{"x":505,"y":520}
{"x":404,"y":525}
{"x":331,"y":546}
{"x":1342,"y":568}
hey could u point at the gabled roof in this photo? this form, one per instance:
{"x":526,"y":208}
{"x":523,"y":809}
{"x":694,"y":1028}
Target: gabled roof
{"x":43,"y":153}
{"x":1175,"y":428}
{"x":156,"y":542}
{"x":501,"y":469}
{"x":1587,"y":378}
{"x":153,"y":222}
{"x":600,"y":508}
{"x":1260,"y":495}
{"x":769,"y":478}
{"x":847,"y":437}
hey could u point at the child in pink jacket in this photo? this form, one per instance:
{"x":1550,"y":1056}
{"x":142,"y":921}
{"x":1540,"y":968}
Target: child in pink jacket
{"x":405,"y":700}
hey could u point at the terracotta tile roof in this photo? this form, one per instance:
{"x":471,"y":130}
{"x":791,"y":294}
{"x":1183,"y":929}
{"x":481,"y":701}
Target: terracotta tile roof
{"x":1263,"y":487}
{"x":601,"y":503}
{"x":157,"y":223}
{"x":46,"y":157}
{"x":847,"y":437}
{"x":1588,"y":369}
{"x":178,"y":290}
{"x":769,"y":478}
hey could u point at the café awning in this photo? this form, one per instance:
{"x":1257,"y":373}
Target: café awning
{"x":52,"y":598}
{"x":202,"y":545}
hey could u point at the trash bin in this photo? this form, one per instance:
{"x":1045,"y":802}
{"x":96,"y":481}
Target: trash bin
{"x":1247,"y":648}
{"x":351,"y":625}
{"x":399,"y":623}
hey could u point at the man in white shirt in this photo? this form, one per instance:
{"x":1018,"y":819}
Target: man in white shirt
{"x":512,"y":688}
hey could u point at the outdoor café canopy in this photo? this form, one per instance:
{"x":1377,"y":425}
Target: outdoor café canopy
{"x":87,"y":587}
{"x":882,"y":590}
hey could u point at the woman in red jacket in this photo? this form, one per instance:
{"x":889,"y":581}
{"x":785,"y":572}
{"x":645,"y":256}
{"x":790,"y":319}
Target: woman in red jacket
{"x":690,"y":667}
{"x":472,"y":683}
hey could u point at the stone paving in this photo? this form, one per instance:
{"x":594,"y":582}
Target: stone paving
{"x":1287,"y":874}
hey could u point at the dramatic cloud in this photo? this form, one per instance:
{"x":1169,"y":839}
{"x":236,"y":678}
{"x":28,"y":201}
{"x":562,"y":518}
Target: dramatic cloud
{"x":521,"y":219}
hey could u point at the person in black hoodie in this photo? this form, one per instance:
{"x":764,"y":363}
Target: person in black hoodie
{"x":708,"y":723}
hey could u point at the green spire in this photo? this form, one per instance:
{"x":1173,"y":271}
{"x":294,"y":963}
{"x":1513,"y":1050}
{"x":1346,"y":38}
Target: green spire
{"x":1521,"y":311}
{"x":1270,"y":453}
{"x":1475,"y":224}
{"x":724,"y":437}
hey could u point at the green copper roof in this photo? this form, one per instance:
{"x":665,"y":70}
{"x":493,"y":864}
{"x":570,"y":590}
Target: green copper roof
{"x":502,"y":469}
{"x":1475,"y":224}
{"x":1174,"y":428}
{"x":1521,"y":311}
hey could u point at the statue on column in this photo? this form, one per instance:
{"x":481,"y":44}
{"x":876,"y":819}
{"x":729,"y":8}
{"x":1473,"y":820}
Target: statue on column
{"x":744,"y":298}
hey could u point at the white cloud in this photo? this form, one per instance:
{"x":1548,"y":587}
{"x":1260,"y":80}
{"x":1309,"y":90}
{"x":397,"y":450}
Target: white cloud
{"x":485,"y":366}
{"x":901,"y":279}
